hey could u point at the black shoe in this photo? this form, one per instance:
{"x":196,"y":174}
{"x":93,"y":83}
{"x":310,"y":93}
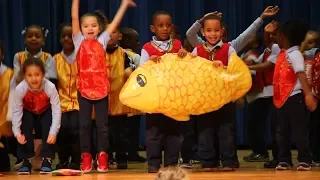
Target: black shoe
{"x":63,"y":165}
{"x":254,"y":157}
{"x":135,"y":157}
{"x":122,"y":165}
{"x":186,"y":165}
{"x":46,"y":166}
{"x":25,"y":169}
{"x":153,"y":169}
{"x":112,"y":160}
{"x":74,"y":166}
{"x":271,"y":164}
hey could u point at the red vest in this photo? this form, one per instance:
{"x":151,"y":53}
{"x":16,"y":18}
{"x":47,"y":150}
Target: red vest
{"x":92,"y":76}
{"x":220,"y":54}
{"x":316,"y":75}
{"x":154,"y":50}
{"x":284,"y":80}
{"x":36,"y":102}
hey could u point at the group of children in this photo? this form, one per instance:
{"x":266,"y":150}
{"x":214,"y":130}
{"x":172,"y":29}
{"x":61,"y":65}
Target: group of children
{"x":54,"y":99}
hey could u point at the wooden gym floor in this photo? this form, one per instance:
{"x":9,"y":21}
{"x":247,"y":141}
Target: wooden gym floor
{"x":247,"y":171}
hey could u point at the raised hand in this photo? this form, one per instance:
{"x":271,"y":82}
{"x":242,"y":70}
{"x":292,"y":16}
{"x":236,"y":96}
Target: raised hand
{"x":269,"y":11}
{"x":271,"y":27}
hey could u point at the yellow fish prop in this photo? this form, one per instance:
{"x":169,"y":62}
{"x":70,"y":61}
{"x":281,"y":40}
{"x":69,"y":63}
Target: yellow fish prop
{"x":179,"y":87}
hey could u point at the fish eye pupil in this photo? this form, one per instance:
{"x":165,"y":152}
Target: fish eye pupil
{"x":141,"y":80}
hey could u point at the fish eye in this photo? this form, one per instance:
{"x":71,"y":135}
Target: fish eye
{"x":141,"y":80}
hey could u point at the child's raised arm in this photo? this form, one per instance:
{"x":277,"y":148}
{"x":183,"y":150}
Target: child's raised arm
{"x":75,"y":17}
{"x":118,"y":17}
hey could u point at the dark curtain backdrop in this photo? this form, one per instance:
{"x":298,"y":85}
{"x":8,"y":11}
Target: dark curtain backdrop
{"x":238,"y":15}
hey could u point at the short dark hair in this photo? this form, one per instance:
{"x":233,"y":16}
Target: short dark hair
{"x":158,"y":13}
{"x":213,"y":17}
{"x":63,"y":25}
{"x":294,"y":30}
{"x":42,"y":29}
{"x":33,"y":61}
{"x":1,"y":47}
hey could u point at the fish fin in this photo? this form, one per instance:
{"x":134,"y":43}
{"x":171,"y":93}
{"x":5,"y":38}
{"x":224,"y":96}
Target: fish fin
{"x":241,"y":74}
{"x":179,"y":118}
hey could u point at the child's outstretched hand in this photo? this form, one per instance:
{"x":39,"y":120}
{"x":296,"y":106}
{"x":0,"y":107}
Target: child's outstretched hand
{"x":218,"y":64}
{"x":269,"y":11}
{"x":129,"y":3}
{"x":21,"y":139}
{"x":51,"y":139}
{"x":271,"y":27}
{"x":311,"y":102}
{"x":182,"y":53}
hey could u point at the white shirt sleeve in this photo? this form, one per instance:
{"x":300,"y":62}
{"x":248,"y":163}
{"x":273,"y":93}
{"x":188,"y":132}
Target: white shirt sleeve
{"x":144,"y":56}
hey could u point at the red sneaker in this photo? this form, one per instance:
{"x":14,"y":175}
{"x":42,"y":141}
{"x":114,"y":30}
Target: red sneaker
{"x":102,"y":162}
{"x":86,"y":165}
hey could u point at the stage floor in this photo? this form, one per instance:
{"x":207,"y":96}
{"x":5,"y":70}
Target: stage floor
{"x":247,"y":171}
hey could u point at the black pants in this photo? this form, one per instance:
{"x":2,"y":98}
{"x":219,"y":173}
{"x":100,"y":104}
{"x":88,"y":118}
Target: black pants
{"x":134,"y":131}
{"x":314,"y":134}
{"x":260,"y":112}
{"x":189,"y":145}
{"x":119,"y":131}
{"x":220,"y":123}
{"x":293,"y":118}
{"x":163,"y":132}
{"x":68,"y":138}
{"x":41,"y":124}
{"x":4,"y":156}
{"x":85,"y":122}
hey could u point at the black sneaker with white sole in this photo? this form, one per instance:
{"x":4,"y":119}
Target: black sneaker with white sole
{"x":25,"y":169}
{"x":46,"y":166}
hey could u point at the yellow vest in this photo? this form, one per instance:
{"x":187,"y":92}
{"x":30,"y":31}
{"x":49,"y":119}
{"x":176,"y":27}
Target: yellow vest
{"x":23,"y":57}
{"x":134,"y":112}
{"x":115,"y":62}
{"x":67,"y":89}
{"x":5,"y":79}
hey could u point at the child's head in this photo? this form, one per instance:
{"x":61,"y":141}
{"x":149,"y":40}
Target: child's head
{"x":212,"y":29}
{"x":92,"y":24}
{"x":66,"y":37}
{"x":33,"y":71}
{"x":291,"y":33}
{"x":254,"y":42}
{"x":172,"y":173}
{"x":130,"y":39}
{"x":175,"y":34}
{"x":115,"y":37}
{"x":162,"y":25}
{"x":225,"y":32}
{"x":1,"y":51}
{"x":312,"y":38}
{"x":187,"y":46}
{"x":34,"y":37}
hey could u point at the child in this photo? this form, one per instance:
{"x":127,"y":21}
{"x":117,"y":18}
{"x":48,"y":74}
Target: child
{"x":223,"y":124}
{"x":263,"y":109}
{"x":310,"y":50}
{"x":120,"y":69}
{"x":7,"y":85}
{"x":36,"y":106}
{"x":34,"y":39}
{"x":292,"y":96}
{"x":241,"y":40}
{"x":68,"y":137}
{"x":175,"y":33}
{"x":162,"y":131}
{"x":130,"y":42}
{"x":91,"y":65}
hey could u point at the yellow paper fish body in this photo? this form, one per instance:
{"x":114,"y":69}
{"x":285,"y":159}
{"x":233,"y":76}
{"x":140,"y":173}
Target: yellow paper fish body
{"x":179,"y":87}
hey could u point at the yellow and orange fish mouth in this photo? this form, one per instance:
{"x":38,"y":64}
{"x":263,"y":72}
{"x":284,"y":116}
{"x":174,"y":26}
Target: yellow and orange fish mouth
{"x":130,"y":97}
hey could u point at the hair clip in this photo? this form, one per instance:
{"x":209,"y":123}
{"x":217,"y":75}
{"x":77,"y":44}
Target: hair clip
{"x":46,"y":31}
{"x":24,"y":31}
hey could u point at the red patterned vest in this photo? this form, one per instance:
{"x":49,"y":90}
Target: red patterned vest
{"x":92,"y":77}
{"x":220,"y":54}
{"x":152,"y":49}
{"x":36,"y":102}
{"x":284,"y":80}
{"x":316,"y":75}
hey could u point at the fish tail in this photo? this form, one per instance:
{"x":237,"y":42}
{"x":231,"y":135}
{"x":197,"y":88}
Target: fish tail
{"x":241,"y":74}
